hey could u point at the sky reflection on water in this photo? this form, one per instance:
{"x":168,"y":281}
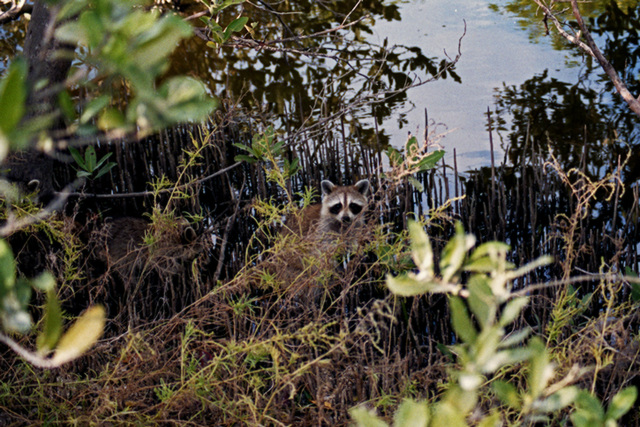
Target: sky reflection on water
{"x":495,"y":50}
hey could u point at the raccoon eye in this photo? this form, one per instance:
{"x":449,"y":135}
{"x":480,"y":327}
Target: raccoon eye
{"x":355,"y":208}
{"x":335,"y":209}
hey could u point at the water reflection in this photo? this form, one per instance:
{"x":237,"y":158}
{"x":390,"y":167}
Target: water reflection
{"x":302,"y":80}
{"x":585,"y":127}
{"x":557,"y":117}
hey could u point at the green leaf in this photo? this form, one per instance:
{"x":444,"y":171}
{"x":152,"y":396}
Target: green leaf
{"x":93,"y":28}
{"x":515,"y":338}
{"x":186,"y":100}
{"x":406,"y":286}
{"x":366,"y":418}
{"x":512,"y":310}
{"x":489,"y":249}
{"x":584,"y":418}
{"x":481,"y":300}
{"x":244,"y":148}
{"x":507,"y":394}
{"x":460,"y":320}
{"x":395,"y":157}
{"x":446,"y":352}
{"x":105,"y":169}
{"x":44,"y":282}
{"x":622,"y":402}
{"x":481,"y":265}
{"x":243,"y":158}
{"x":81,"y":335}
{"x":72,"y":32}
{"x":590,"y":407}
{"x":421,"y":250}
{"x":635,"y":287}
{"x":13,"y":94}
{"x":411,"y":147}
{"x":217,"y":8}
{"x":90,"y":159}
{"x":539,"y":262}
{"x":52,"y":324}
{"x":558,"y":400}
{"x":448,"y":415}
{"x":416,"y":184}
{"x":454,"y":253}
{"x":112,"y":119}
{"x":71,"y":8}
{"x":77,"y":157}
{"x":411,"y":414}
{"x":66,"y":105}
{"x":431,"y":160}
{"x":541,"y":370}
{"x":102,"y":160}
{"x":18,"y":141}
{"x":7,"y":269}
{"x":93,"y":108}
{"x":506,"y":358}
{"x":493,"y":420}
{"x":235,"y":26}
{"x":160,"y":40}
{"x":635,"y":291}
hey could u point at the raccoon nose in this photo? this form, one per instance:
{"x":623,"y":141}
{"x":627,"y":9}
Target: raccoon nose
{"x":346,"y":219}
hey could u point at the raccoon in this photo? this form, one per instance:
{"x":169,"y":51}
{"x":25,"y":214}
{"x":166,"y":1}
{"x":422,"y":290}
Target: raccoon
{"x":313,"y":240}
{"x":340,"y":212}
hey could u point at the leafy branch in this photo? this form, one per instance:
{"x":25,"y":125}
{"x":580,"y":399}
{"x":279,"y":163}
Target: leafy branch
{"x":482,"y":309}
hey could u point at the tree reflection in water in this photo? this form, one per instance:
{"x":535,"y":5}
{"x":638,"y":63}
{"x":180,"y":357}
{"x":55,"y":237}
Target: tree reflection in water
{"x":310,"y":63}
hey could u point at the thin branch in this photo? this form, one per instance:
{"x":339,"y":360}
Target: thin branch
{"x":620,"y":86}
{"x":611,"y":277}
{"x":151,"y":193}
{"x":33,"y":358}
{"x":16,"y":10}
{"x":591,"y":48}
{"x":573,"y":39}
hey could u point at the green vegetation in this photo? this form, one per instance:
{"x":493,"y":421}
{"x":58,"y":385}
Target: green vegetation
{"x":201,"y":311}
{"x":487,"y":351}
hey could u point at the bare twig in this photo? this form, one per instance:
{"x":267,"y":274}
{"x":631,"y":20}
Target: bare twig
{"x":620,"y":86}
{"x":591,"y":48}
{"x":150,"y":193}
{"x":33,"y":358}
{"x":548,"y":14}
{"x":611,"y":277}
{"x":17,"y":9}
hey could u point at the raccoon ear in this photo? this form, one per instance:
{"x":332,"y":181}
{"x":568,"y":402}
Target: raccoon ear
{"x":363,"y":186}
{"x":327,"y":186}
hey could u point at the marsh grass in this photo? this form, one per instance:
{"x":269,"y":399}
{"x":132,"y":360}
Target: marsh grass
{"x":222,"y":330}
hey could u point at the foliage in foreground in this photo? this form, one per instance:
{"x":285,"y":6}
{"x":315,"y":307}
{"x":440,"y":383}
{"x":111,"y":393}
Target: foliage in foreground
{"x":483,"y":309}
{"x":118,"y":40}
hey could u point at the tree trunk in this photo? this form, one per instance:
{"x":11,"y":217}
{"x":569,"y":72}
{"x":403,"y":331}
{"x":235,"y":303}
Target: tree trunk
{"x":47,"y":61}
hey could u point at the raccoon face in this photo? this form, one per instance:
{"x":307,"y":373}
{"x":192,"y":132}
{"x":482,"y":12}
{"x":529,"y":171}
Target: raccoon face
{"x":343,"y":206}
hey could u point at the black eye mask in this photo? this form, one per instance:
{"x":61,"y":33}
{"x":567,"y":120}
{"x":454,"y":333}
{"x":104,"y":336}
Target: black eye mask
{"x":355,"y":208}
{"x":335,"y":209}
